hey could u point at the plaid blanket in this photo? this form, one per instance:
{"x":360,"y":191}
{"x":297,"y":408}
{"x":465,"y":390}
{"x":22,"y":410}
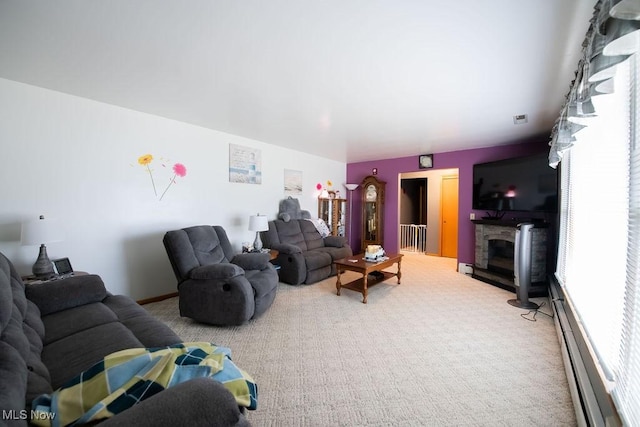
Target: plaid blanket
{"x":127,"y":377}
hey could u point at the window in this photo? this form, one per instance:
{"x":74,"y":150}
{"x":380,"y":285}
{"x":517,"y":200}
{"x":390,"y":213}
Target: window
{"x":599,"y":241}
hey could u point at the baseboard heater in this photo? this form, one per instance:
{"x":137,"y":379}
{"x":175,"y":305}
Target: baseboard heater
{"x":592,"y":402}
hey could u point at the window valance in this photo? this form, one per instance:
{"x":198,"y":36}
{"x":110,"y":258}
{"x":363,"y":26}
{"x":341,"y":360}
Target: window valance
{"x":613,"y":36}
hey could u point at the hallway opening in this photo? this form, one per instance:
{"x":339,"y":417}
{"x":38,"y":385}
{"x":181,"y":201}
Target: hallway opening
{"x":428,"y":212}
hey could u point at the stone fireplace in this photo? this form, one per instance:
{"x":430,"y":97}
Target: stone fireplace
{"x":495,"y":254}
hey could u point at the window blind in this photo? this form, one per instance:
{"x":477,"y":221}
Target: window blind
{"x":599,"y":241}
{"x":626,"y":391}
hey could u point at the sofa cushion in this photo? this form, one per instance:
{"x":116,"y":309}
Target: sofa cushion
{"x":316,"y":259}
{"x":6,"y":299}
{"x":35,"y":342}
{"x":37,"y":375}
{"x":19,"y":300}
{"x":13,"y":371}
{"x":206,"y":245}
{"x":336,"y":253}
{"x":148,"y":330}
{"x":71,"y":292}
{"x":78,"y":352}
{"x":64,"y":323}
{"x":192,"y":247}
{"x":312,"y":238}
{"x":290,"y":232}
{"x":15,"y":337}
{"x":38,"y":378}
{"x":33,"y":319}
{"x":335,"y":241}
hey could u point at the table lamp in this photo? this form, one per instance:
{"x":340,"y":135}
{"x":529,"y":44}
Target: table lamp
{"x":39,"y":232}
{"x":258,"y":223}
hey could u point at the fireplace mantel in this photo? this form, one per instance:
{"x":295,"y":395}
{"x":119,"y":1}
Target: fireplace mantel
{"x":540,"y":223}
{"x":494,"y":244}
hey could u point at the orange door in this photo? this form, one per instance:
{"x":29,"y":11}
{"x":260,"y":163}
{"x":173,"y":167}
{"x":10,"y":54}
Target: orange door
{"x":449,"y":217}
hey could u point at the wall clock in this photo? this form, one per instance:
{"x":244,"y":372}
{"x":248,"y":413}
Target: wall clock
{"x":425,"y":161}
{"x":371,"y":193}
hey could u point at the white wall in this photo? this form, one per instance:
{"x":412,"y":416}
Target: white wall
{"x":75,"y":160}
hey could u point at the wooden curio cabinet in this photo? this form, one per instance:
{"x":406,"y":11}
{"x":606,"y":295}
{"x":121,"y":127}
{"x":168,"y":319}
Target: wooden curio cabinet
{"x":333,"y":212}
{"x":372,"y":211}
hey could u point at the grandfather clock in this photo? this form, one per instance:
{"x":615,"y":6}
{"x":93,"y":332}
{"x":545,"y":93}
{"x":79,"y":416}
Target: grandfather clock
{"x":372,"y":211}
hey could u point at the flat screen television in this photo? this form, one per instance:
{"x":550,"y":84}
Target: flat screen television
{"x":525,"y":184}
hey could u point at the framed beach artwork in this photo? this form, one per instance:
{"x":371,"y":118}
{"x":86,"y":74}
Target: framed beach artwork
{"x":292,"y":183}
{"x":245,"y":164}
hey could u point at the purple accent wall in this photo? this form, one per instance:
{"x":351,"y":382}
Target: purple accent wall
{"x":389,"y":170}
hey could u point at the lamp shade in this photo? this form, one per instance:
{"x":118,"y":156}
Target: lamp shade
{"x":258,"y":223}
{"x":351,"y":187}
{"x":40,"y":231}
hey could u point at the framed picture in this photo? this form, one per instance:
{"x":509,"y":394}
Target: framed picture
{"x":62,"y":266}
{"x":425,"y":161}
{"x":245,"y":164}
{"x":292,"y":183}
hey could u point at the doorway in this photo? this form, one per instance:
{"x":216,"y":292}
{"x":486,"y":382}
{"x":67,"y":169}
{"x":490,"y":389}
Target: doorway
{"x":413,"y":215}
{"x":426,"y":200}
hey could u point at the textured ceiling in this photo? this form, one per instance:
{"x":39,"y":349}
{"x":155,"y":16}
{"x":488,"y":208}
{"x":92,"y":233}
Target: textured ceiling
{"x":350,"y":80}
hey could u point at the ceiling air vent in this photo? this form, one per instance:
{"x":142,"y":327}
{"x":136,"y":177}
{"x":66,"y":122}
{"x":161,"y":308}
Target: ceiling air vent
{"x":520,"y":119}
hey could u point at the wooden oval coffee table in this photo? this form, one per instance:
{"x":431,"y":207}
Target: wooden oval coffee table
{"x":372,"y":272}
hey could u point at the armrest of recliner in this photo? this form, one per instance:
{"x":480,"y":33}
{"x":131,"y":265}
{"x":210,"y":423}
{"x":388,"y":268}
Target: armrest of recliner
{"x":252,"y":260}
{"x":335,"y":241}
{"x":222,"y":271}
{"x":287,"y":248}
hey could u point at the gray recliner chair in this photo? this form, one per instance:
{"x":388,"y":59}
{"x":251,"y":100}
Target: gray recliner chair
{"x":216,"y":286}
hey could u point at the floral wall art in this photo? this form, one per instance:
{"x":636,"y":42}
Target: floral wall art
{"x":166,"y":175}
{"x":245,"y":164}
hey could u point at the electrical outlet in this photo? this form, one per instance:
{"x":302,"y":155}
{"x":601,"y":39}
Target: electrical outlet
{"x":472,"y":215}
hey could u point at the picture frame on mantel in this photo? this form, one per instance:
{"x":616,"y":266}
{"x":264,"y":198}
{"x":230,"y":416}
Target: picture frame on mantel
{"x":425,"y":161}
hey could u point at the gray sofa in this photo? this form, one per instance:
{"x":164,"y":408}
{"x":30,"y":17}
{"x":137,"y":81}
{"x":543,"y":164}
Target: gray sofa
{"x":51,"y":332}
{"x":304,"y":256}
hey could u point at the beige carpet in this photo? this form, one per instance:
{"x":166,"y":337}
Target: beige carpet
{"x":440,"y":349}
